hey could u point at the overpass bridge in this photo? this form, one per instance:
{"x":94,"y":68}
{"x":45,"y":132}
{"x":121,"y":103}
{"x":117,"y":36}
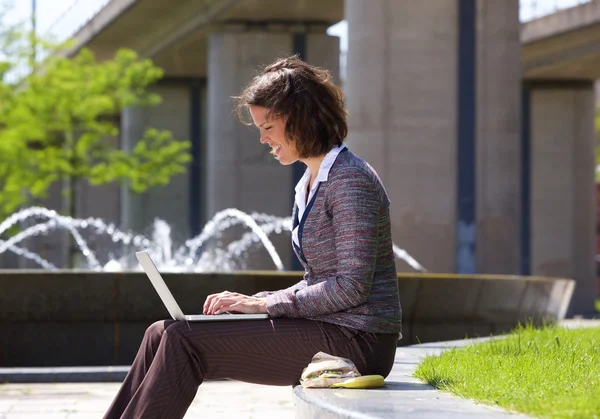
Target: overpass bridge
{"x":481,"y":127}
{"x":564,"y":45}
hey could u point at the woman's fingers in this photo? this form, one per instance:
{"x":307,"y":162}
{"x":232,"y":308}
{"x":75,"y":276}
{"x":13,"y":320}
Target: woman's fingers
{"x":207,"y":303}
{"x":223,"y":299}
{"x":213,"y":303}
{"x":247,"y":305}
{"x":210,"y":300}
{"x":219,"y":303}
{"x":239,"y":306}
{"x":225,"y":306}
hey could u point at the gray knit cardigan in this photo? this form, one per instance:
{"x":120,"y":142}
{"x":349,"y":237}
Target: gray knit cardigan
{"x":346,"y":250}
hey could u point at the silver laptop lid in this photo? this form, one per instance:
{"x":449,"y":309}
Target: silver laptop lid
{"x":160,"y":286}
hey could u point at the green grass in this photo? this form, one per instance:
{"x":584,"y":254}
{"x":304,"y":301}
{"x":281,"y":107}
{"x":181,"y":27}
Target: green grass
{"x":549,"y":372}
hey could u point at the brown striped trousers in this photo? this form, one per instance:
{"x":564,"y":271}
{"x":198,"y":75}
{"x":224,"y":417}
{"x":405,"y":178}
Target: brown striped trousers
{"x":175,"y":358}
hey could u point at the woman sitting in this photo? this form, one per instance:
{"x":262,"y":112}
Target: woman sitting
{"x":347,"y":304}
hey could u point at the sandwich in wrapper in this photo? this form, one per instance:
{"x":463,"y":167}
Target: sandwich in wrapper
{"x":326,"y":370}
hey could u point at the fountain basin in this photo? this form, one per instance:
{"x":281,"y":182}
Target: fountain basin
{"x":71,"y":318}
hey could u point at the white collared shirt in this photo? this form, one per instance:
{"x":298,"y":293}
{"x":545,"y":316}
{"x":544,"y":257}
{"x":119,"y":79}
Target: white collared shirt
{"x":302,"y":185}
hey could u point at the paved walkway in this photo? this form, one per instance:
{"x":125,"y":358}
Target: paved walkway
{"x":215,"y":399}
{"x":230,"y":399}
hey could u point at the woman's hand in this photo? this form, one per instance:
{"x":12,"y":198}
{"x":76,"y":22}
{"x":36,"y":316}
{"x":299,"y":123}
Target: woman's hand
{"x":233,"y":302}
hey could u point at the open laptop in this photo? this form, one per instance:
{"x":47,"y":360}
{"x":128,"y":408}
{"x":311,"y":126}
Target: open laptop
{"x":172,"y":306}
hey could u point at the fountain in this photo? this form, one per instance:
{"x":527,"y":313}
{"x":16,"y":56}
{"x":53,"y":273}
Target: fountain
{"x":97,"y":314}
{"x":185,"y":258}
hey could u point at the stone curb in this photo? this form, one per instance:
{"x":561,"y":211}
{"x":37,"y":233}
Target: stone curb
{"x":109,"y":374}
{"x":403,"y":396}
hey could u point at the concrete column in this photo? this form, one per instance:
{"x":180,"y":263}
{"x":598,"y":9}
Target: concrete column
{"x":403,"y":94}
{"x":132,"y":129}
{"x":171,"y":202}
{"x":51,"y":247}
{"x":9,"y":260}
{"x":562,"y":187}
{"x":498,"y":175}
{"x":241,"y":173}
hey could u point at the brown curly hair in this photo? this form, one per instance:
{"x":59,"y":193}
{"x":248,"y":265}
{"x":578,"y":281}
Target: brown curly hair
{"x":304,"y":94}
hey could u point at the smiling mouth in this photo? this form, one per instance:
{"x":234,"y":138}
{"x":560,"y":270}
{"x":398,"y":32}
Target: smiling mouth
{"x":275,"y":150}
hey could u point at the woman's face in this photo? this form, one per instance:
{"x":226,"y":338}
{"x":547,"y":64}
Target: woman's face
{"x":272,"y":133}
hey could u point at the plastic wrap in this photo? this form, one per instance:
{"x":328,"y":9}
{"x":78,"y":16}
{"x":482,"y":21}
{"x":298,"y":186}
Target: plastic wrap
{"x":325,"y":370}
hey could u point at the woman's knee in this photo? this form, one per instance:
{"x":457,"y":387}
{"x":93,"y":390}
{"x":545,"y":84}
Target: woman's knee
{"x":176,"y":328}
{"x":155,"y":331}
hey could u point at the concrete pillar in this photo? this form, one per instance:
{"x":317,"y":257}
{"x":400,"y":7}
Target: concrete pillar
{"x":498,"y":176}
{"x":52,"y":246}
{"x":171,"y":202}
{"x":103,"y":202}
{"x":132,"y":128}
{"x":241,"y":173}
{"x":416,"y":79}
{"x":562,"y":194}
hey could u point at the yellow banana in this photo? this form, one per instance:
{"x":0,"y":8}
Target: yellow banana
{"x":364,"y":381}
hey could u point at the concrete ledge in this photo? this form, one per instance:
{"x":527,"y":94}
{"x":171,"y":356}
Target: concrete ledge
{"x":67,"y":319}
{"x":64,"y":375}
{"x":403,"y":395}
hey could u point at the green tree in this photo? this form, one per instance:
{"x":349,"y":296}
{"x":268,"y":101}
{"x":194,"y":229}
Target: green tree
{"x":12,"y":38}
{"x":59,"y":125}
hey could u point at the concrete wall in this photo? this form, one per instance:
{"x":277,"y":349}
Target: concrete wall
{"x":563,"y":198}
{"x":85,"y":318}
